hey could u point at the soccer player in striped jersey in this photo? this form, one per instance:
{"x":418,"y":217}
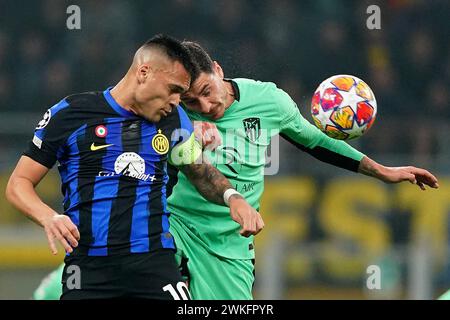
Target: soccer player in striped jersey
{"x":217,"y":259}
{"x":113,"y":148}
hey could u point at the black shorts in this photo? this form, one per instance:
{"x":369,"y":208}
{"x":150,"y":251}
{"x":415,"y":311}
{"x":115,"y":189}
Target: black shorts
{"x":152,"y":275}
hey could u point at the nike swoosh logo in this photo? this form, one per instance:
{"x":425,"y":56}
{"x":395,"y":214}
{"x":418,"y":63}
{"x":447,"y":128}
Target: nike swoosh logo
{"x":95,"y":148}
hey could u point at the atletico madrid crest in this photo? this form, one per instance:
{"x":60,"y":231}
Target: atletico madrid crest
{"x":252,"y":128}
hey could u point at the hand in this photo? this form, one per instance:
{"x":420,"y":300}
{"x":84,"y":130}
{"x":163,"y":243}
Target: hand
{"x":62,"y":228}
{"x":418,"y":176}
{"x":244,"y":214}
{"x":207,"y":134}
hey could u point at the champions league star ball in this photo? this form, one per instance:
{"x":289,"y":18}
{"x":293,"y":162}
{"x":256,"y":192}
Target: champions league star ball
{"x":343,"y":107}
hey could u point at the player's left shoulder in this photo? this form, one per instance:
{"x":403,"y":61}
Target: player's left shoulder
{"x":255,"y":88}
{"x":253,"y":83}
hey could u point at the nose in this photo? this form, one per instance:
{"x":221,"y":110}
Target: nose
{"x":205,"y":105}
{"x":174,"y":100}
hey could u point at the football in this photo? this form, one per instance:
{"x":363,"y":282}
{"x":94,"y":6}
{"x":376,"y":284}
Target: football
{"x":343,"y":107}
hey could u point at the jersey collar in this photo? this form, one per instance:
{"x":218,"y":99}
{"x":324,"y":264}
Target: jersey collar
{"x":117,"y":107}
{"x":235,"y":87}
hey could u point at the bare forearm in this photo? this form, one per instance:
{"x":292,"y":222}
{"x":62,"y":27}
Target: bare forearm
{"x":209,"y":182}
{"x":370,"y":168}
{"x":21,"y":194}
{"x":418,"y":176}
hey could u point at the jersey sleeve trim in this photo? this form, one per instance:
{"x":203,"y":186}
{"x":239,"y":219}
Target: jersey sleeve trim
{"x":327,"y":156}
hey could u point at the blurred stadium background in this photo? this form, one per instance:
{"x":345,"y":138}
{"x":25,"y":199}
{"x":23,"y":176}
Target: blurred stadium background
{"x":324,"y":226}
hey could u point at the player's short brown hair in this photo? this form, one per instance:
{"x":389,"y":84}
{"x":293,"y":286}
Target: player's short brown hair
{"x":200,"y":57}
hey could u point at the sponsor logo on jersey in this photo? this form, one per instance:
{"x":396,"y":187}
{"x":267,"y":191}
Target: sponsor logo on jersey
{"x":129,"y":164}
{"x":102,"y":146}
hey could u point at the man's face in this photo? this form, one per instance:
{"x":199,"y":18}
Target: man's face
{"x":160,"y":86}
{"x":208,"y":94}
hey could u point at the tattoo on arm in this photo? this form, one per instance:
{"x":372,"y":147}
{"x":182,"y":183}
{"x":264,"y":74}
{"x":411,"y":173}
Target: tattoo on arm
{"x":369,"y":167}
{"x":208,"y":181}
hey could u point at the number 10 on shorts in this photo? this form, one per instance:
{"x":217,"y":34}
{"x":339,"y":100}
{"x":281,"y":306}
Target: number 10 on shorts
{"x":181,"y":290}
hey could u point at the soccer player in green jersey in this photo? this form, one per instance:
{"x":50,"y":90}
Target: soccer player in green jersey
{"x":216,"y":259}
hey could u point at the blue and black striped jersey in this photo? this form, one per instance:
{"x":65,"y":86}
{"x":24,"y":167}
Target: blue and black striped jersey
{"x":113,"y":168}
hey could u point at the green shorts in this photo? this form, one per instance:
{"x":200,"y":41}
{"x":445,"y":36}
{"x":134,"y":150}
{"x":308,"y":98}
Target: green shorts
{"x":445,"y":296}
{"x":211,"y":277}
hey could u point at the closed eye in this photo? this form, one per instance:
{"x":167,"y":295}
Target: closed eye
{"x":176,"y":89}
{"x":188,"y":101}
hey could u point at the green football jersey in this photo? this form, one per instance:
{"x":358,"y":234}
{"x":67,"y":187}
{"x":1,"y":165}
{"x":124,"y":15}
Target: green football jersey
{"x":260,"y":111}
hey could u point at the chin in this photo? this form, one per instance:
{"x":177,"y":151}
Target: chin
{"x":217,"y":116}
{"x":155,"y":118}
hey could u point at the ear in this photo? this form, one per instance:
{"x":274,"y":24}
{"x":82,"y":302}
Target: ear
{"x":143,"y":72}
{"x":218,"y":69}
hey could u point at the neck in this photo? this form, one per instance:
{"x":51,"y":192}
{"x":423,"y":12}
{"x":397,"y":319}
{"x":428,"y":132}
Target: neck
{"x":123,"y":94}
{"x":230,"y":94}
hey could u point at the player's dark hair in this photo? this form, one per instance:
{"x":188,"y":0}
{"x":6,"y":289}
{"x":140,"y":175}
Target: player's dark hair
{"x":199,"y":56}
{"x":175,"y":51}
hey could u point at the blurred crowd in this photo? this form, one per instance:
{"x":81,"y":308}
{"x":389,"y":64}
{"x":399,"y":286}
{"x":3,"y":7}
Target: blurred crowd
{"x":295,"y":44}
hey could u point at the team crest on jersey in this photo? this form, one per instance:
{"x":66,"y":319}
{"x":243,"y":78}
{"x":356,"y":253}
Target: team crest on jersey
{"x":45,"y":120}
{"x":252,"y":128}
{"x":160,"y":143}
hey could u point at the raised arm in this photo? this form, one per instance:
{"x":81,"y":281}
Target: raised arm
{"x":310,"y":139}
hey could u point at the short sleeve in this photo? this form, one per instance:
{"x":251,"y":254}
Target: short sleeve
{"x":49,"y":136}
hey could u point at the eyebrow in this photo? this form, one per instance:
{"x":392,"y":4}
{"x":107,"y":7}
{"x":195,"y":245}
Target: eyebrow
{"x":177,"y":89}
{"x":203,"y":89}
{"x":188,"y":99}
